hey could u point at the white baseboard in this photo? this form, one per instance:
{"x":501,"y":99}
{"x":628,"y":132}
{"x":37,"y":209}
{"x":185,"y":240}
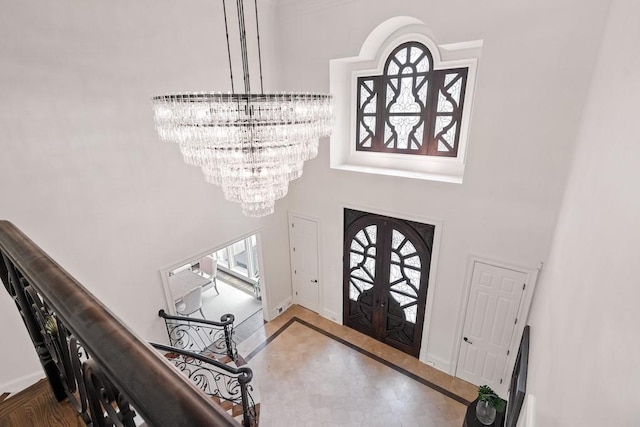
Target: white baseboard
{"x":19,"y":384}
{"x":280,"y":308}
{"x":332,"y":315}
{"x":527,"y":413}
{"x":439,"y":364}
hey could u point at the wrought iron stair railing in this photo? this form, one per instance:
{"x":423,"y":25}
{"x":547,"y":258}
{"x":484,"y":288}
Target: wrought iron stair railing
{"x":88,"y":355}
{"x":227,"y":385}
{"x":207,"y":337}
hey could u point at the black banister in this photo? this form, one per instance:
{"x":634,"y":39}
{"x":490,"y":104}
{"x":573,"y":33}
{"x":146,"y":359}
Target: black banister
{"x":226,"y":319}
{"x":189,"y":333}
{"x":223,"y":382}
{"x":116,"y":359}
{"x":243,"y":372}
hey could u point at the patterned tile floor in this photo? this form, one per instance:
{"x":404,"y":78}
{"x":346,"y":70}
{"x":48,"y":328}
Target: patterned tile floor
{"x":309,"y":374}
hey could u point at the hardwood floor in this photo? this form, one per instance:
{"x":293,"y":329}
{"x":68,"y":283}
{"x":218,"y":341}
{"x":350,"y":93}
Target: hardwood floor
{"x":36,"y":406}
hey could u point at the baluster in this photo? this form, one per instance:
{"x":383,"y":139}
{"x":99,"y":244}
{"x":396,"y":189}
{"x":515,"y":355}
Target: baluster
{"x":19,"y":295}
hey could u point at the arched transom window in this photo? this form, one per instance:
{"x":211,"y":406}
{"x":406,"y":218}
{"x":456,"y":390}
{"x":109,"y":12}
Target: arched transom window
{"x":411,"y":108}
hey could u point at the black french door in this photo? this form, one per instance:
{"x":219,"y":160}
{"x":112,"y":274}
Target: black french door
{"x":386,"y":273}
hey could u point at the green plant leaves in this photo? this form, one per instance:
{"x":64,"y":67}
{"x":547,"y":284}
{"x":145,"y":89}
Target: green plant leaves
{"x":486,"y":394}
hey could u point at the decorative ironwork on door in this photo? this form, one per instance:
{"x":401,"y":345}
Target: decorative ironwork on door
{"x":386,"y":274}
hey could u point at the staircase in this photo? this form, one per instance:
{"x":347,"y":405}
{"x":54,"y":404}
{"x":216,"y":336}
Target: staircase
{"x":204,"y":351}
{"x":225,"y":379}
{"x":100,"y":370}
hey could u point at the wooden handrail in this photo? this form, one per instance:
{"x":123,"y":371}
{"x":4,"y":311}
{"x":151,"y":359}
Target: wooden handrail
{"x":245,"y":371}
{"x":228,"y":319}
{"x":160,"y":394}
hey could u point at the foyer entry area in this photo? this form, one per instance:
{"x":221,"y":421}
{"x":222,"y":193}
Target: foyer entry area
{"x":313,"y":371}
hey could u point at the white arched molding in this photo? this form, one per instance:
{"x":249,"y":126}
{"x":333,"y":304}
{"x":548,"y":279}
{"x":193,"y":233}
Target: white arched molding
{"x":375,"y":50}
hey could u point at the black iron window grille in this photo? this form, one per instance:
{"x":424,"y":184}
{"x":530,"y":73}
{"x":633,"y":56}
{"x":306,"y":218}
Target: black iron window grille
{"x":411,"y":108}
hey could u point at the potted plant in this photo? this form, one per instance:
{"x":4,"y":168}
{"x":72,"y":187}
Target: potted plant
{"x":488,"y":403}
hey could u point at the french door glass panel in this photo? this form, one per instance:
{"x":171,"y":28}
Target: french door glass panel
{"x":223,"y":257}
{"x":386,"y":274}
{"x":241,"y":258}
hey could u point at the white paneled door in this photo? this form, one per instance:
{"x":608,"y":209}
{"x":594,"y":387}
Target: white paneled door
{"x":303,"y":239}
{"x":494,"y":300}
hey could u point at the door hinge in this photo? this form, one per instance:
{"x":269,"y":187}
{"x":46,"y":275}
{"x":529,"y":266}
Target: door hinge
{"x":293,"y":225}
{"x":500,"y":380}
{"x":296,"y":292}
{"x":294,"y":249}
{"x":524,"y":285}
{"x":507,"y":352}
{"x":295,"y":271}
{"x":515,"y":321}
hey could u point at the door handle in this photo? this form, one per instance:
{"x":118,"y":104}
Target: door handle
{"x":314,"y":281}
{"x":467,"y":340}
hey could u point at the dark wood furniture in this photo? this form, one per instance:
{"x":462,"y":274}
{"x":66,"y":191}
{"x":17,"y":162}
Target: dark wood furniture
{"x":470,"y":419}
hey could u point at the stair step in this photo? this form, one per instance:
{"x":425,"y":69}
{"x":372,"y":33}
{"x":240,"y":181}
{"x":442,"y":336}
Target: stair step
{"x":231,"y":408}
{"x":254,"y":422}
{"x":240,"y":361}
{"x":226,"y":405}
{"x":257,"y":420}
{"x":225,"y":359}
{"x":236,"y":410}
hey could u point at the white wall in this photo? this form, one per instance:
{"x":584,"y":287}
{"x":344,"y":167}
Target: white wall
{"x":82,"y":171}
{"x":584,"y":339}
{"x":533,"y":75}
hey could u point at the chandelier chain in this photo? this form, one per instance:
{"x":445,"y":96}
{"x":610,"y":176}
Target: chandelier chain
{"x":226,"y":29}
{"x":255,"y":2}
{"x":243,"y":46}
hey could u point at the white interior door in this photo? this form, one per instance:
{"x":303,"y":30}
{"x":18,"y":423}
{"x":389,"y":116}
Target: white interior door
{"x":303,"y":239}
{"x":494,"y":300}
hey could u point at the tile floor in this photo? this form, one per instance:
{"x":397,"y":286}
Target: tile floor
{"x":308,"y":377}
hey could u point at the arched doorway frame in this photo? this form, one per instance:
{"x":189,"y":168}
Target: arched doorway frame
{"x":431,"y":290}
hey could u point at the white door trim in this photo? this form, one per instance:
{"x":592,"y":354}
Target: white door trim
{"x":437,"y":234}
{"x":523,"y":314}
{"x":291,"y":216}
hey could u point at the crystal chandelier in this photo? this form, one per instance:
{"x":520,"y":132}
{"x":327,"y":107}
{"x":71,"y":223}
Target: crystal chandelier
{"x":251,"y":145}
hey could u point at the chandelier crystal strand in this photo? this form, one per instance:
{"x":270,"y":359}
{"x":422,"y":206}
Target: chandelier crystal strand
{"x":252,"y":145}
